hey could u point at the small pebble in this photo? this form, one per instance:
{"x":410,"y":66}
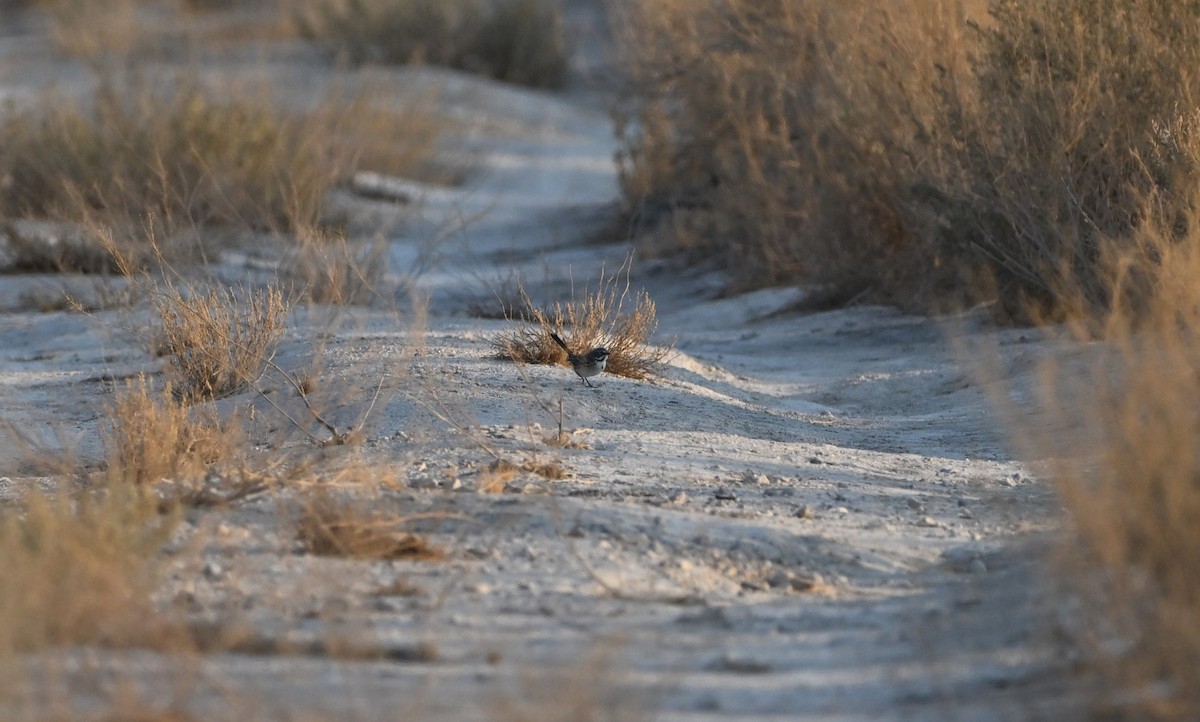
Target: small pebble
{"x":806,"y":583}
{"x":805,"y":512}
{"x":724,"y":494}
{"x":977,"y":566}
{"x":779,"y":579}
{"x":927,"y":521}
{"x":914,"y":504}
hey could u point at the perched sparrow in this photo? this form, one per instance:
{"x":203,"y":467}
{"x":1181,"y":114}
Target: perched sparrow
{"x":586,"y":366}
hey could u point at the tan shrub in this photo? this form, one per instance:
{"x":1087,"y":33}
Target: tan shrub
{"x":80,"y":570}
{"x":219,"y":340}
{"x":140,"y":169}
{"x":611,"y":316}
{"x":324,"y":267}
{"x":920,"y":151}
{"x":519,"y":41}
{"x":1118,"y":440}
{"x":151,"y":434}
{"x":357,"y":529}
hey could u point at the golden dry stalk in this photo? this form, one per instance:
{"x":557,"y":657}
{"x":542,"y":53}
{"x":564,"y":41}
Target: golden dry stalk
{"x":220,"y":340}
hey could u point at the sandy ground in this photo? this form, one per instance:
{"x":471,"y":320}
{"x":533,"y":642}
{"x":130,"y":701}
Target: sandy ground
{"x":806,"y":516}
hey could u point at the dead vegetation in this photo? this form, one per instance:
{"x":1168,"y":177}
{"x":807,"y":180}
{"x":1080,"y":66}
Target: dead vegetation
{"x":217,"y":341}
{"x":80,"y":569}
{"x":325,"y":267}
{"x":186,"y":165}
{"x":935,"y":153}
{"x":517,"y":41}
{"x":186,"y":156}
{"x":1117,"y":437}
{"x":612,"y":316}
{"x":357,"y":529}
{"x":150,"y":434}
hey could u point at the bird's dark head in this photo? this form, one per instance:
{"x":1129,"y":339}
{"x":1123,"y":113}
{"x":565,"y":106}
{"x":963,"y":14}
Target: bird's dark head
{"x":598,"y":354}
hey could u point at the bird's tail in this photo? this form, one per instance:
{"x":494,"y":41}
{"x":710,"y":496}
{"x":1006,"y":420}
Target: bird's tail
{"x":560,"y":342}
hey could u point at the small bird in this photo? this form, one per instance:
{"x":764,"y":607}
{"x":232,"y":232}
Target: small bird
{"x":586,"y":366}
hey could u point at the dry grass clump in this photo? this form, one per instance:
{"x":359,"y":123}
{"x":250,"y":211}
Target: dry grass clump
{"x":138,"y":162}
{"x":79,"y":570}
{"x":325,"y":267}
{"x":183,"y":154}
{"x":768,"y":133}
{"x":1122,"y":447}
{"x":66,"y":249}
{"x":218,"y":341}
{"x":612,"y":317}
{"x":93,"y":30}
{"x":150,"y":434}
{"x":518,"y":41}
{"x":937,"y":152}
{"x":356,"y":529}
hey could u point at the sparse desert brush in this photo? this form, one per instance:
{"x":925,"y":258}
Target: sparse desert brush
{"x":150,"y":434}
{"x":926,"y":151}
{"x":518,"y":41}
{"x":769,"y":133}
{"x":357,"y":529}
{"x":93,"y":30}
{"x":79,"y":569}
{"x":1074,"y":123}
{"x":325,"y":267}
{"x":219,"y":340}
{"x":180,"y":158}
{"x":184,"y":153}
{"x":1118,"y":439}
{"x":611,"y":316}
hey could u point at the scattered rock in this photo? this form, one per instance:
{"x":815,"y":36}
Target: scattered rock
{"x":728,"y":663}
{"x":780,"y":579}
{"x":707,"y":617}
{"x":750,"y":476}
{"x":977,"y":566}
{"x":805,"y":512}
{"x":422,"y":481}
{"x":806,"y":582}
{"x":724,"y":494}
{"x":915,"y":504}
{"x":927,"y":521}
{"x":678,"y":498}
{"x":213,"y":570}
